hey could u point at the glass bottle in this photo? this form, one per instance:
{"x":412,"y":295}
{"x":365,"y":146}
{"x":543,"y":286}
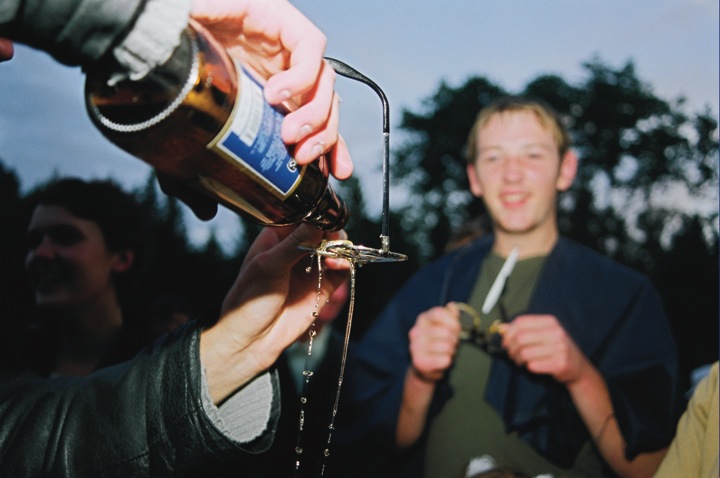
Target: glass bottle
{"x":202,"y":119}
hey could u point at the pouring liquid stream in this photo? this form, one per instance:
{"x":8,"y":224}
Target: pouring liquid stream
{"x":308,"y":372}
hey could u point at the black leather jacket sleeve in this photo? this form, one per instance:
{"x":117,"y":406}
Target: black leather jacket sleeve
{"x":141,"y":418}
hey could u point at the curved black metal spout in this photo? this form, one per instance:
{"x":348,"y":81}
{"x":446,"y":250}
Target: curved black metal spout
{"x":347,"y":71}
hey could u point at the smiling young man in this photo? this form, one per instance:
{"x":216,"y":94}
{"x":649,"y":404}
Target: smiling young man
{"x":583,"y":382}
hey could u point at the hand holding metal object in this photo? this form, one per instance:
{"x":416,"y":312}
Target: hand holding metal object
{"x":469,"y":329}
{"x":496,"y":328}
{"x":473,"y":331}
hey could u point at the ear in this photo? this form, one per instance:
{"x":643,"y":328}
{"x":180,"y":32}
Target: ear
{"x":125,"y":260}
{"x":568,"y":170}
{"x":475,"y":187}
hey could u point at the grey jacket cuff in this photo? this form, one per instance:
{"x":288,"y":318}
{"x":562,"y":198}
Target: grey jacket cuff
{"x":154,"y":36}
{"x":248,"y":413}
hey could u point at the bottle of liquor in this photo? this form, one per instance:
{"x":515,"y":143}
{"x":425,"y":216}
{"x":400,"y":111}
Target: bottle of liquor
{"x":202,"y":119}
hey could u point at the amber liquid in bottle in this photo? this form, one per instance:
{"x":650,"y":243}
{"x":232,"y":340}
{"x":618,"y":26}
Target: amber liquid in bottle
{"x":202,"y":119}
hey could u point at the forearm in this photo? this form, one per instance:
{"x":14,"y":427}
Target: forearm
{"x":141,"y":418}
{"x":417,"y":396}
{"x":591,"y":398}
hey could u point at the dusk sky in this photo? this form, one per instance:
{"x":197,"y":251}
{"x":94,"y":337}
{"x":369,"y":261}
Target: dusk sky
{"x":407,"y":47}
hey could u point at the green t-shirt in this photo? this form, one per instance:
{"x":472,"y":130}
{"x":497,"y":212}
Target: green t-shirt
{"x":467,"y":427}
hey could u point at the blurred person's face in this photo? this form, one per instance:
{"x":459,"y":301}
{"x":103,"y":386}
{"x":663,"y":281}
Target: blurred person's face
{"x":67,"y":261}
{"x":518,"y":172}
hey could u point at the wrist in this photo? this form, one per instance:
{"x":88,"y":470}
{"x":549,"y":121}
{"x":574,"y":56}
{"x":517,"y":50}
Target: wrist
{"x":228,"y":366}
{"x":420,"y":379}
{"x":587,"y":377}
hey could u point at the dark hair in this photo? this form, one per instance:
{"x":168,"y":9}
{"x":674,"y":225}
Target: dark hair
{"x":121,"y":219}
{"x":117,"y":214}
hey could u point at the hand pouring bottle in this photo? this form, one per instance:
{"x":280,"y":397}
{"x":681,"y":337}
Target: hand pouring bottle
{"x":202,"y":119}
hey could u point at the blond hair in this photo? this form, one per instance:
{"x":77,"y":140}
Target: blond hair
{"x":545,"y":114}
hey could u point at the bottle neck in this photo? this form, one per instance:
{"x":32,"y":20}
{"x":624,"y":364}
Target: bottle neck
{"x":331,"y":213}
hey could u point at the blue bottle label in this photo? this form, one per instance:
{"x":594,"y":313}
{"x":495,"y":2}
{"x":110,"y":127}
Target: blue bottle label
{"x":251,"y":138}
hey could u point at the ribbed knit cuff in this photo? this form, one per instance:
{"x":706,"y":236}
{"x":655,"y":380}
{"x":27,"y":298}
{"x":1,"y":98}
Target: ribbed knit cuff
{"x":154,"y":36}
{"x":249,"y":412}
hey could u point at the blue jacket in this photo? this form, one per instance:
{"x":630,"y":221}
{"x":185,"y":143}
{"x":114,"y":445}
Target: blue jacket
{"x":612,"y":312}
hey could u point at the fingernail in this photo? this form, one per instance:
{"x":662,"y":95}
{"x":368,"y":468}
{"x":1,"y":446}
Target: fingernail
{"x":304,"y":131}
{"x":318,"y":149}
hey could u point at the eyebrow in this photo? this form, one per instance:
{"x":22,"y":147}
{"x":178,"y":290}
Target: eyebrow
{"x":544,"y":146}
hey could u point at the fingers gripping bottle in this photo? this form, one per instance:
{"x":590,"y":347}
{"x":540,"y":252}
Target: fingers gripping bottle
{"x":202,"y":119}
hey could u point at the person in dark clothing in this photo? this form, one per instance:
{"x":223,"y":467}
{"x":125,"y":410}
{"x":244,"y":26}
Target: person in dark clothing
{"x":572,"y":369}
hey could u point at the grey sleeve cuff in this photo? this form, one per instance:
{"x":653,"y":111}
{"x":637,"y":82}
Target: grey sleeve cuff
{"x":247,"y":414}
{"x":154,"y":36}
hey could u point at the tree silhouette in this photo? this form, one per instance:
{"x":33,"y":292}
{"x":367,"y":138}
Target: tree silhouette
{"x":15,"y":294}
{"x":200,"y":274}
{"x":686,"y":275}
